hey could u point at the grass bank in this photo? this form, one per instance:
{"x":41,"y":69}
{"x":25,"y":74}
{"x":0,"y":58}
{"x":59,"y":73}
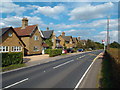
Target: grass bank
{"x":11,"y":67}
{"x":110,"y":72}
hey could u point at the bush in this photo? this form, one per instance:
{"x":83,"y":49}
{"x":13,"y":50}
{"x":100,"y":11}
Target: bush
{"x":47,"y":51}
{"x":12,"y":58}
{"x":55,"y":52}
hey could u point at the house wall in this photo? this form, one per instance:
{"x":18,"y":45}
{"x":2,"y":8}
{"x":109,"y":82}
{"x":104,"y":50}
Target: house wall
{"x":62,"y":42}
{"x":37,"y":43}
{"x":70,"y":45}
{"x":11,"y":41}
{"x":54,"y":41}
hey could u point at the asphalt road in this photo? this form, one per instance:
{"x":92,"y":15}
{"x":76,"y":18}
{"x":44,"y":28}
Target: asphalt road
{"x":62,"y":73}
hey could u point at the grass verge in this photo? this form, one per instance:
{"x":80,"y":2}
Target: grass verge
{"x":11,"y":67}
{"x":106,"y":74}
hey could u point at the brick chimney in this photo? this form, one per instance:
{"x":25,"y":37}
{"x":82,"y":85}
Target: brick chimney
{"x":47,"y":28}
{"x":24,"y":22}
{"x":63,"y":33}
{"x":78,"y":38}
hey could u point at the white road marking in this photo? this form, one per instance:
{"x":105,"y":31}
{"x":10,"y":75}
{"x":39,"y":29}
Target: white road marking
{"x":63,"y":64}
{"x":78,"y":84}
{"x":44,"y":71}
{"x":82,"y":56}
{"x":15,"y":83}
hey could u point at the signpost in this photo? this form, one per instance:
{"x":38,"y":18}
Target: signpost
{"x":103,"y":41}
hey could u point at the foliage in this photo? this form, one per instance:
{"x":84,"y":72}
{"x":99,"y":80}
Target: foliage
{"x":12,"y":58}
{"x":55,"y":52}
{"x":49,"y":42}
{"x":111,"y":77}
{"x":47,"y":51}
{"x":115,"y":45}
{"x":11,"y":67}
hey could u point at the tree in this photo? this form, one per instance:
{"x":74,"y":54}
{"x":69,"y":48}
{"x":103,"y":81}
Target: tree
{"x":49,"y":42}
{"x":115,"y":45}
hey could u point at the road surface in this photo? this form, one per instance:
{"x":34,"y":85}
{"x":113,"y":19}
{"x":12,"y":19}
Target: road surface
{"x":62,"y":73}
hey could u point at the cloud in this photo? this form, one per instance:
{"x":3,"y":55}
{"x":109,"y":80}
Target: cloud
{"x":90,"y":11}
{"x":16,"y":21}
{"x":10,"y":7}
{"x":52,"y":12}
{"x":102,"y":36}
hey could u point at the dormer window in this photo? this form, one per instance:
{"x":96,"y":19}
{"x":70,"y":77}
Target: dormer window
{"x":10,"y":34}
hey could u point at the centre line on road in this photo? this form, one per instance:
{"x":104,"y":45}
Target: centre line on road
{"x":62,"y":64}
{"x":16,"y":83}
{"x":78,"y":84}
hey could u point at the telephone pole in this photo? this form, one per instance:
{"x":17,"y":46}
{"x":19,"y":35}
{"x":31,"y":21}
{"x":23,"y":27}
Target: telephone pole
{"x":108,"y":37}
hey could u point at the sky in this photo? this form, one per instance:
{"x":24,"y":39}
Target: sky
{"x":85,"y":19}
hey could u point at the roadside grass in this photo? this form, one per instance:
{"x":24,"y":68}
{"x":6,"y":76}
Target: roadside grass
{"x":11,"y":67}
{"x":110,"y":72}
{"x":63,"y":54}
{"x":106,"y":74}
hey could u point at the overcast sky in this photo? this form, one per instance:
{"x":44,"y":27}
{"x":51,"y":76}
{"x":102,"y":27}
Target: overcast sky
{"x":84,"y":19}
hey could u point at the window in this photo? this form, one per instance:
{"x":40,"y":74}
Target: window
{"x":10,"y":34}
{"x":36,"y":38}
{"x":16,"y":49}
{"x":4,"y":49}
{"x":36,"y":48}
{"x":67,"y":42}
{"x":71,"y":42}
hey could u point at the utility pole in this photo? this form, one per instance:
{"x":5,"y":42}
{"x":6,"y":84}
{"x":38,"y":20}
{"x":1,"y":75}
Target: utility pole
{"x":108,"y":37}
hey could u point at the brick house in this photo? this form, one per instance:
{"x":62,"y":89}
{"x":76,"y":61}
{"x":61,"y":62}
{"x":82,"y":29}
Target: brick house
{"x":49,"y":34}
{"x":30,"y":35}
{"x":66,"y":41}
{"x":75,"y":41}
{"x":10,"y":41}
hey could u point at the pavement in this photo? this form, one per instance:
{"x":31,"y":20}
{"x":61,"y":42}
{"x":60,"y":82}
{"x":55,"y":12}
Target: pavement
{"x":62,"y":73}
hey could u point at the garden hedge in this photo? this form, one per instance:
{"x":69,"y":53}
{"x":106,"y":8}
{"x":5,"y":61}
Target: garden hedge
{"x":55,"y":52}
{"x":12,"y":58}
{"x":47,"y":51}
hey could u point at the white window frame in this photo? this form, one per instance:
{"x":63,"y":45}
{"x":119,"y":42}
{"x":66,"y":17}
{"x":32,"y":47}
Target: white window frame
{"x":37,"y":48}
{"x":36,"y":38}
{"x":16,"y":49}
{"x":4,"y":47}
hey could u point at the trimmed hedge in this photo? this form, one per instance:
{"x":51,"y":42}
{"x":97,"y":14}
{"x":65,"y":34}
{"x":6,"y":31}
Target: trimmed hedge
{"x":12,"y":58}
{"x":55,"y":52}
{"x":47,"y":51}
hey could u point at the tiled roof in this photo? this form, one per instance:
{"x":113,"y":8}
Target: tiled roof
{"x":4,"y":30}
{"x":67,"y":38}
{"x":44,"y":45}
{"x":47,"y":34}
{"x":27,"y":31}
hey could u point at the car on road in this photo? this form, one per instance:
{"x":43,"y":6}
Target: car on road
{"x":64,"y":51}
{"x":80,"y":50}
{"x":70,"y":50}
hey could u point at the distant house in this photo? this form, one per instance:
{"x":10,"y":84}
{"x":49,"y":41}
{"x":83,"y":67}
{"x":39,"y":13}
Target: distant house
{"x":10,"y":41}
{"x":66,"y":41}
{"x":49,"y":34}
{"x":75,"y":41}
{"x":30,"y":35}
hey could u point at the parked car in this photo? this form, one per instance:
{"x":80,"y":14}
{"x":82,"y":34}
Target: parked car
{"x":70,"y":50}
{"x":80,"y":50}
{"x":64,"y":51}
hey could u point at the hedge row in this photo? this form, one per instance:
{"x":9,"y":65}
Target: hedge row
{"x":114,"y":59}
{"x":55,"y":52}
{"x":47,"y":51}
{"x":12,"y":58}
